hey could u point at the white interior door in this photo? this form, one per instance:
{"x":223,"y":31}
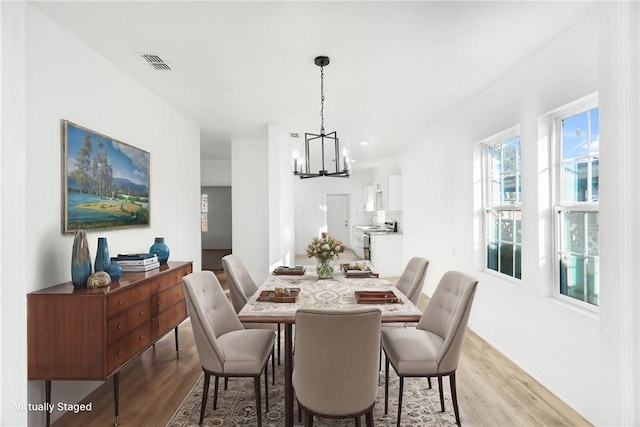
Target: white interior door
{"x":338,"y":217}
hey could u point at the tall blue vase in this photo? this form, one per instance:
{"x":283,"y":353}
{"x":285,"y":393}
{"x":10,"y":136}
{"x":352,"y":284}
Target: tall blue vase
{"x":80,"y":260}
{"x":102,"y":255}
{"x":161,"y":249}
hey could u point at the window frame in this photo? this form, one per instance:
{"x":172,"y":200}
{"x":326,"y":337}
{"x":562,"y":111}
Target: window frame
{"x":488,"y":207}
{"x":559,"y":206}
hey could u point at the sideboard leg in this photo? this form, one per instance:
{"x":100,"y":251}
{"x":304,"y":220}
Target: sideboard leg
{"x":175,"y":330}
{"x":47,"y":398}
{"x":116,"y":395}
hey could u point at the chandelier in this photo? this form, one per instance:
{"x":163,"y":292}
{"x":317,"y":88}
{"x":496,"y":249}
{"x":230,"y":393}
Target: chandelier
{"x":302,"y":165}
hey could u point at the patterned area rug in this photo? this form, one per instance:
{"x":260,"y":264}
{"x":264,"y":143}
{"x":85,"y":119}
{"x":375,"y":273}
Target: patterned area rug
{"x":236,"y":405}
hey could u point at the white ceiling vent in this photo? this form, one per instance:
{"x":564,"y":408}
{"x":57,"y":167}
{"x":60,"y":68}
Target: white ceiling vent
{"x":155,"y":61}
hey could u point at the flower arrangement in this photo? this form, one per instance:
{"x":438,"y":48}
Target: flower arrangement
{"x":324,"y":248}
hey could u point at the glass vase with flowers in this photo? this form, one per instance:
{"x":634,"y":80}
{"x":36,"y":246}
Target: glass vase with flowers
{"x":324,"y":249}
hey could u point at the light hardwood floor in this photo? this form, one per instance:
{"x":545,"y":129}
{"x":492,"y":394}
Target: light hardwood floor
{"x":492,"y":390}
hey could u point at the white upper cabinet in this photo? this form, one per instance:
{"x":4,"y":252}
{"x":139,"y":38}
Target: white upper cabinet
{"x":368,"y":198}
{"x":383,"y":196}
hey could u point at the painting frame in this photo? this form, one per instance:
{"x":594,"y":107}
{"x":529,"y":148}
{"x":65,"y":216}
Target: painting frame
{"x":106,"y":183}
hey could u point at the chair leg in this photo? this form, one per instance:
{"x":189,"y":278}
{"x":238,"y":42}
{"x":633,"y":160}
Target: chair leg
{"x":215,"y":392}
{"x":256,"y":383}
{"x":441,"y":393}
{"x":308,"y":419}
{"x":266,"y":391}
{"x":226,"y":383}
{"x":205,"y":391}
{"x":386,"y":386}
{"x":273,"y":368}
{"x":279,"y":344}
{"x":454,"y":396}
{"x":429,"y":379}
{"x":369,"y":418}
{"x":400,"y":399}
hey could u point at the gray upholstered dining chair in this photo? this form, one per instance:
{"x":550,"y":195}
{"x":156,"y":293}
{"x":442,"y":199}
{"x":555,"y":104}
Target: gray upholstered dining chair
{"x":412,"y":279}
{"x":224,"y":347}
{"x":432,"y":348}
{"x":335,"y":370}
{"x":242,"y":287}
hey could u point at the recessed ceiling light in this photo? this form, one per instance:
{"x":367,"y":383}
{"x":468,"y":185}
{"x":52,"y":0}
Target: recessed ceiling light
{"x":363,"y":143}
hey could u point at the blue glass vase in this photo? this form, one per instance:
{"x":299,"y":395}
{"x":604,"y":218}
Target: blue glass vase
{"x":161,"y":249}
{"x":114,"y":271}
{"x":80,"y":260}
{"x":102,"y":255}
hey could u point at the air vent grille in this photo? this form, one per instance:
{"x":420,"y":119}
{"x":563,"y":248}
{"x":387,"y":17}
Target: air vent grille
{"x":155,"y":61}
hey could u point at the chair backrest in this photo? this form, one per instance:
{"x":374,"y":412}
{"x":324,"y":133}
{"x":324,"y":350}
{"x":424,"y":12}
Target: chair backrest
{"x":211,"y":316}
{"x":412,"y":279}
{"x":241,"y":285}
{"x":336,"y":359}
{"x":447,"y":314}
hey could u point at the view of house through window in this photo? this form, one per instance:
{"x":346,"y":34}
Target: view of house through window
{"x":577,"y":208}
{"x":503,"y":198}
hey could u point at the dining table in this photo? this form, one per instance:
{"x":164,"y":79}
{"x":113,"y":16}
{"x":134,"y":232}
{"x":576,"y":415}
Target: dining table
{"x":285,"y":291}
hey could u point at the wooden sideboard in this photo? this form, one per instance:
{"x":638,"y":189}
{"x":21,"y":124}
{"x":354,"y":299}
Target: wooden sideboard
{"x":90,"y":334}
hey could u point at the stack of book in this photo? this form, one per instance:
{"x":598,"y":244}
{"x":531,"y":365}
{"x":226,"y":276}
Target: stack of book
{"x":136,"y":262}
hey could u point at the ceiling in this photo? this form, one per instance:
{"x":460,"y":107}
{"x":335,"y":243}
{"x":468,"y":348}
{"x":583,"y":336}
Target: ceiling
{"x":396,"y":69}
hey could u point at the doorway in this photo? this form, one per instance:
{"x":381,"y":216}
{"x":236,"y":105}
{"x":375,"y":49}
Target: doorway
{"x":338,"y":217}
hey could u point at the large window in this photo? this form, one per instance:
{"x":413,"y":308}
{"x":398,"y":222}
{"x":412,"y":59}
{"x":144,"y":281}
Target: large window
{"x":503,"y":198}
{"x":577,"y":211}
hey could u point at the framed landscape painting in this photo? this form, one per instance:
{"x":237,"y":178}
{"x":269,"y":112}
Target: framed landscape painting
{"x":105,"y":181}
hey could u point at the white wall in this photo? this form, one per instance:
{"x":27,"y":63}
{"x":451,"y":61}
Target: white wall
{"x":215,"y":172}
{"x":281,"y":209}
{"x":63,"y":78}
{"x":262,"y":202}
{"x":250,"y":205}
{"x":13,"y":193}
{"x":570,"y":351}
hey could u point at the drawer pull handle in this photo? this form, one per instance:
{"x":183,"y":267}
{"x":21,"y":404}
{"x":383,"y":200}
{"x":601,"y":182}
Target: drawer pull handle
{"x":119,"y":325}
{"x":119,"y":302}
{"x":119,"y":353}
{"x":141,"y":337}
{"x":142,"y":313}
{"x":158,"y":303}
{"x":141,"y":293}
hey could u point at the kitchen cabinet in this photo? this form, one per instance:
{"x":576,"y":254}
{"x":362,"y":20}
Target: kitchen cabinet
{"x":368,"y":198}
{"x":385,"y":196}
{"x":386,"y":253}
{"x":358,"y":242}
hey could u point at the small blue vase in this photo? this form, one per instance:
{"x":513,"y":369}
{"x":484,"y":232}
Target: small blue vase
{"x":160,"y":249}
{"x":102,"y":255}
{"x":114,"y":271}
{"x":80,"y":260}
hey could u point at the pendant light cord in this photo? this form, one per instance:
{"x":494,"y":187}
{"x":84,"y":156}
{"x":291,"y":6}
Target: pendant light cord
{"x":321,"y":100}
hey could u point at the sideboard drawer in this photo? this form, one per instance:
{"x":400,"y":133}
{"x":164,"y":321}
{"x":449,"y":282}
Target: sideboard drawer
{"x":124,"y":322}
{"x":126,"y":347}
{"x":170,"y":279}
{"x":167,"y":298}
{"x":169,"y":319}
{"x":121,"y":301}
